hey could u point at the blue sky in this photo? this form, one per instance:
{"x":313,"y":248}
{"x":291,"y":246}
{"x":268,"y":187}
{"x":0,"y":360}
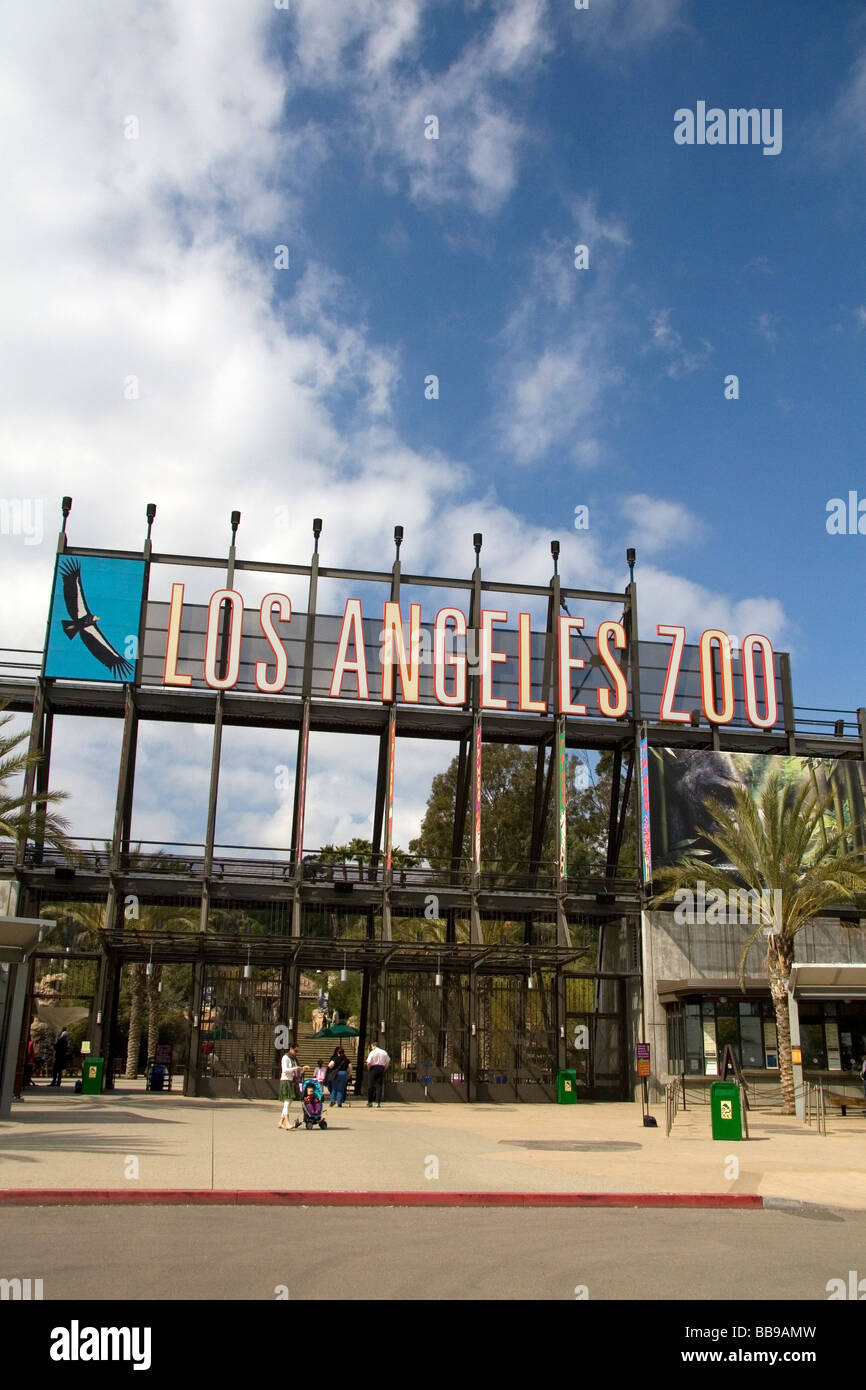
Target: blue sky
{"x":152,"y":258}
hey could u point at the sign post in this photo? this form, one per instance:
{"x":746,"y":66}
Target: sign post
{"x":642,"y":1054}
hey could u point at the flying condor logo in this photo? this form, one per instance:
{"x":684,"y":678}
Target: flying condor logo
{"x":95,"y":616}
{"x":83,"y":623}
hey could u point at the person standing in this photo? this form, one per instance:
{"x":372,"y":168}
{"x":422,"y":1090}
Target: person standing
{"x":863,"y":1076}
{"x":339,"y":1070}
{"x":290,"y":1074}
{"x":30,"y":1064}
{"x":61,"y":1049}
{"x":377,"y":1064}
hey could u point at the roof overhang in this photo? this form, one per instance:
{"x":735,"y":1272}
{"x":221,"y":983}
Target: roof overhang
{"x":18,"y":937}
{"x":672,"y":991}
{"x":830,"y":981}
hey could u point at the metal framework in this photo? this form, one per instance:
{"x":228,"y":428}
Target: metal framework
{"x":551,"y":901}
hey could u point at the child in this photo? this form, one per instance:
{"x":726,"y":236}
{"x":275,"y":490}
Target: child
{"x":320,"y":1072}
{"x":312,"y":1102}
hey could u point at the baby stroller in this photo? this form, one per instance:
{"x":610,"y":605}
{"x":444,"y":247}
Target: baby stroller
{"x":313,"y":1108}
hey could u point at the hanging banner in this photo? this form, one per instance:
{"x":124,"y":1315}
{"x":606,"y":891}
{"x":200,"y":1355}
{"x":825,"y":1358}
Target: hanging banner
{"x":561,"y":775}
{"x":646,"y":842}
{"x":302,"y":781}
{"x":392,"y":748}
{"x":476,"y":848}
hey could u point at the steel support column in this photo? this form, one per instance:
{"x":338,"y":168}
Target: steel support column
{"x":298,"y":815}
{"x":560,"y":1005}
{"x":472,"y":1043}
{"x":111,"y":1025}
{"x":193,"y":1053}
{"x":475,"y":932}
{"x":34,"y":751}
{"x":389,"y":824}
{"x":101,"y":1006}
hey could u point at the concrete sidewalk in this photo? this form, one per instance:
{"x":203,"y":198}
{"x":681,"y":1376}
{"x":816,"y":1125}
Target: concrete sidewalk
{"x":131,"y":1139}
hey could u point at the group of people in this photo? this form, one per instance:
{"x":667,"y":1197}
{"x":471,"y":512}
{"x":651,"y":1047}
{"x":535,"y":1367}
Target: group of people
{"x":336,"y":1075}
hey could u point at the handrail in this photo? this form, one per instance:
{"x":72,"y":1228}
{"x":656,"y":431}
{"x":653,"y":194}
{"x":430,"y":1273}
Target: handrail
{"x":815,"y":1104}
{"x":675,"y":1092}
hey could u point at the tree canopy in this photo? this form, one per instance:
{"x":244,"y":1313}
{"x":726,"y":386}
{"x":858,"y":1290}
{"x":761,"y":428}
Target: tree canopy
{"x":507,"y":796}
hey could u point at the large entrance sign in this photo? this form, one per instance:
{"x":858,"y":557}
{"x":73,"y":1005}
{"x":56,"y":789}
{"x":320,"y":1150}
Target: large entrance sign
{"x":228,"y":645}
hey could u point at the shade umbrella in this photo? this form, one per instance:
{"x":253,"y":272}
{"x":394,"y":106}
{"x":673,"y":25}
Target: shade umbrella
{"x":336,"y":1030}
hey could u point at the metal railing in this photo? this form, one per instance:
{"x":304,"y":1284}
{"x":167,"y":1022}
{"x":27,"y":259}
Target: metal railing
{"x":675,"y":1099}
{"x":815,"y":1105}
{"x":275,"y":865}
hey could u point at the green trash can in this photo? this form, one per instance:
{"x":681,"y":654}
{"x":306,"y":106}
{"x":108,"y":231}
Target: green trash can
{"x":726,"y":1110}
{"x":566,"y":1087}
{"x":91,"y":1076}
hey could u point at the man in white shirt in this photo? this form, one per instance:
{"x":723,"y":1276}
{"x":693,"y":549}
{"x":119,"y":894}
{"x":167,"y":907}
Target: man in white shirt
{"x":377,"y":1064}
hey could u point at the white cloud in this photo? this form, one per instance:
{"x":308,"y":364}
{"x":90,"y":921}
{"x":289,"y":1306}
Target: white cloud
{"x":665,"y":597}
{"x":665,"y":337}
{"x":618,"y":25}
{"x":555,"y":364}
{"x":329,"y":39}
{"x":764,"y":325}
{"x":475,"y":159}
{"x":655,"y":524}
{"x":592,"y":228}
{"x":842,"y":130}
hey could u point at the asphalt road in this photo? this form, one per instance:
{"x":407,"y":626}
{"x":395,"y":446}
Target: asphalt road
{"x":403,"y":1254}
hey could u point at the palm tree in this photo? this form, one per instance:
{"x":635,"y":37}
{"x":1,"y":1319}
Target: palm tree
{"x":334,"y":854}
{"x":85,"y":920}
{"x":785,"y":842}
{"x":359,"y":852}
{"x":16,"y":812}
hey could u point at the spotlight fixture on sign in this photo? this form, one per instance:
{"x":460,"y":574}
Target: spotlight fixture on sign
{"x":529,"y":981}
{"x":344,"y":974}
{"x":438,"y":979}
{"x":248,"y":969}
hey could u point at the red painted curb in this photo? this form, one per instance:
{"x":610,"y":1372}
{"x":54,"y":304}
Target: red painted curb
{"x":92,"y":1197}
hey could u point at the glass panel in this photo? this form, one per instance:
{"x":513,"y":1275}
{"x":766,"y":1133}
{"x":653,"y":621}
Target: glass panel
{"x":694,"y":1042}
{"x":812,"y":1044}
{"x":752,"y":1052}
{"x":728,"y":1033}
{"x":711,"y":1060}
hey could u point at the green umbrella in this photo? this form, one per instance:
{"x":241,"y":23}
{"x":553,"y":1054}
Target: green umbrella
{"x":336,"y":1030}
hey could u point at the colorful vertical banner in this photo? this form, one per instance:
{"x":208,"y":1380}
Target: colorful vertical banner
{"x":646,"y":854}
{"x":302,"y":781}
{"x":476,"y":847}
{"x":392,"y":745}
{"x":561,"y":774}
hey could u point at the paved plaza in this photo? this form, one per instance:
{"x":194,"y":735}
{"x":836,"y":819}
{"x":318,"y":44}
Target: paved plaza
{"x":134,"y":1139}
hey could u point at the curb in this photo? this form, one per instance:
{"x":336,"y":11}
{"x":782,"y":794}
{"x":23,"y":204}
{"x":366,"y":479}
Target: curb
{"x":228,"y":1197}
